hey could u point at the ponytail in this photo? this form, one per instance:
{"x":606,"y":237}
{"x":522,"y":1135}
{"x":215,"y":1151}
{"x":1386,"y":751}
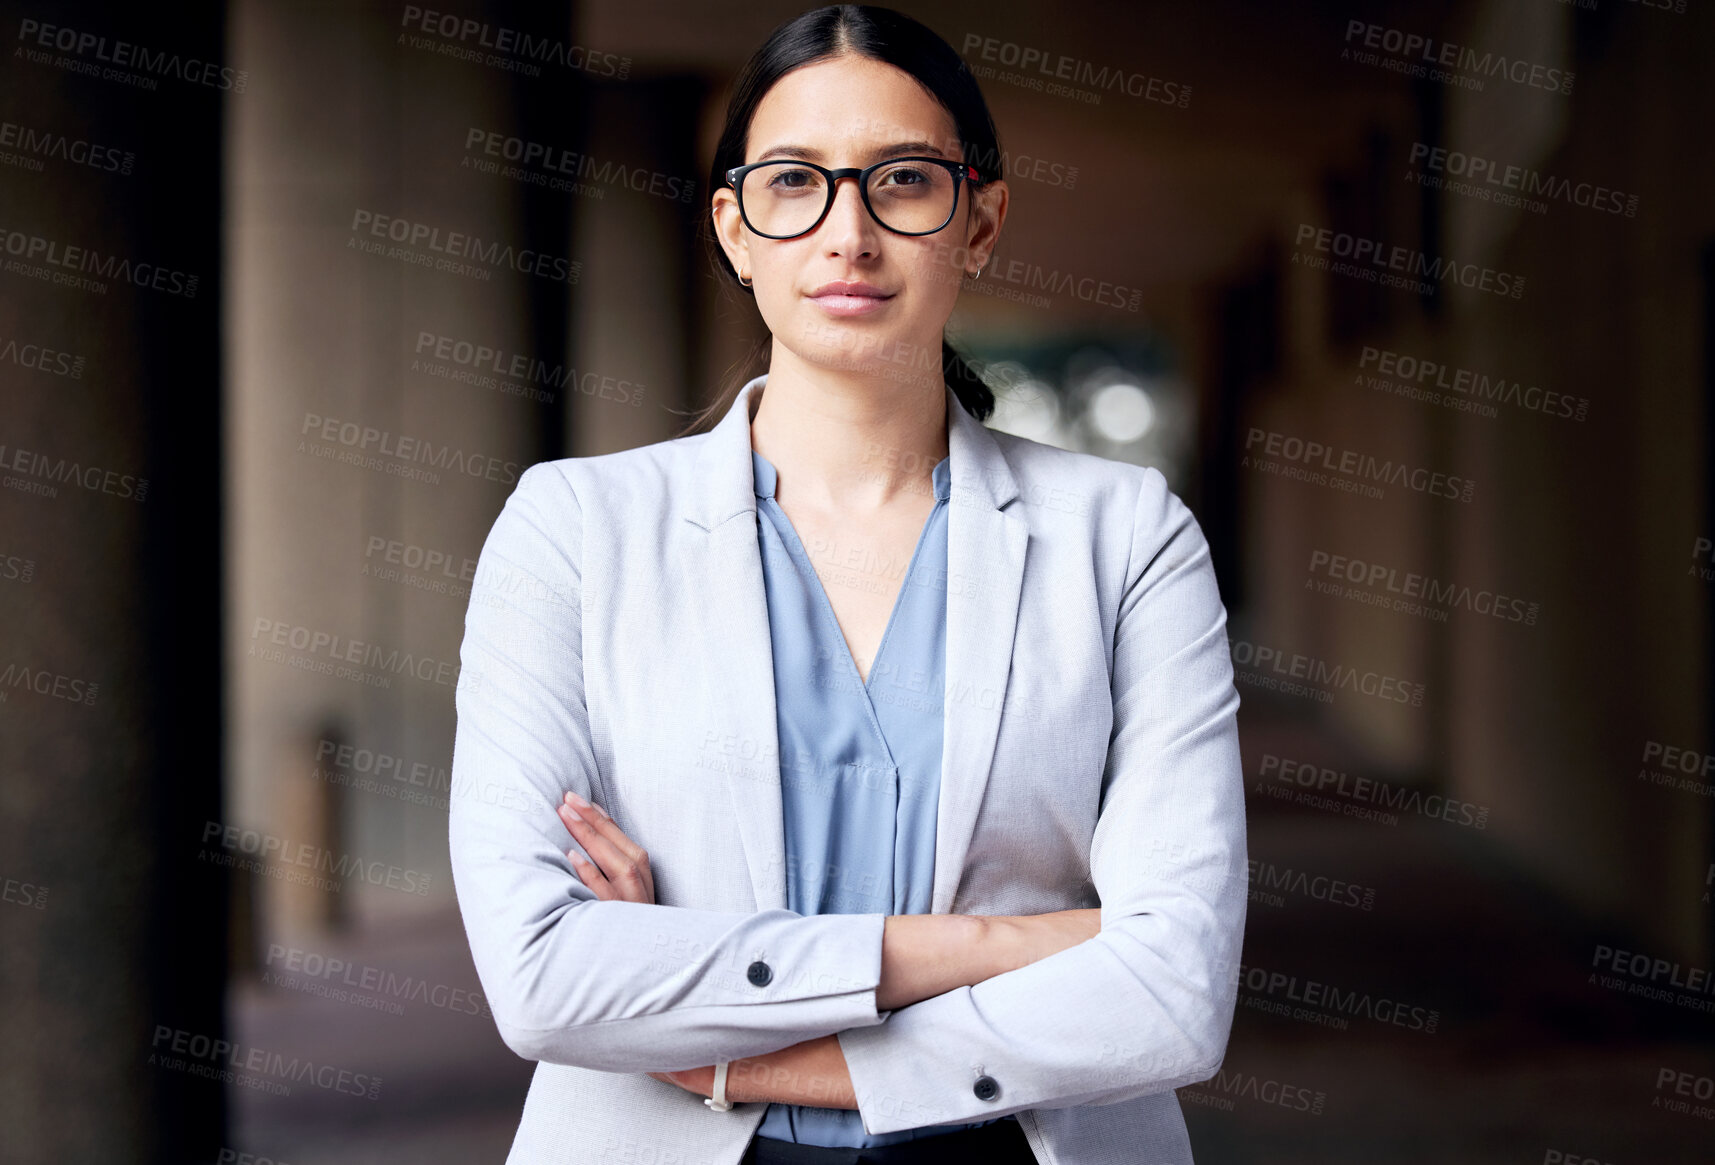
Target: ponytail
{"x":976,"y":396}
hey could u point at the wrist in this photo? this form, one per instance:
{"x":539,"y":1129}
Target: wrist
{"x":810,"y":1073}
{"x":719,"y":1098}
{"x":998,"y":946}
{"x":740,"y":1087}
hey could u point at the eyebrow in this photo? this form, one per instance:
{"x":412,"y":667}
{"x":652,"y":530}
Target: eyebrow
{"x":811,"y":155}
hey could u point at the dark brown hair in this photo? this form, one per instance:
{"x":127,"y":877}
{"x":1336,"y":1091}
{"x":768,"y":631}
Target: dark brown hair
{"x":880,"y":34}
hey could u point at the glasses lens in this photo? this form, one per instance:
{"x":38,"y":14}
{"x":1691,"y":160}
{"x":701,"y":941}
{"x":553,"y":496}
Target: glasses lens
{"x":786,"y":198}
{"x":912,"y":196}
{"x":783,"y":198}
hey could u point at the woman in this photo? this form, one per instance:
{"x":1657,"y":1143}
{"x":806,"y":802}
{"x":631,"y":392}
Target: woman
{"x":900,"y":755}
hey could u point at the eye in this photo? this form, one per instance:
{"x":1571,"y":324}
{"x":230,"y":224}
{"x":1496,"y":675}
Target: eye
{"x":905,"y":174}
{"x":792,"y":178}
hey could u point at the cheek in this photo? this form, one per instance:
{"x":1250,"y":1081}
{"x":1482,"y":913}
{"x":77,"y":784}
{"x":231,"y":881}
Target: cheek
{"x":937,"y":270}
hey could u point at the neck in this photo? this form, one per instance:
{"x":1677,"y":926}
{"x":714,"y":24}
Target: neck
{"x":848,"y":441}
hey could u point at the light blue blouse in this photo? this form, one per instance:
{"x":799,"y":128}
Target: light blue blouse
{"x":860,"y":763}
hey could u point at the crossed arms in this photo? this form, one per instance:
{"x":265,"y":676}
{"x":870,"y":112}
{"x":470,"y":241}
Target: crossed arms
{"x":922,"y":955}
{"x":1143,"y":1006}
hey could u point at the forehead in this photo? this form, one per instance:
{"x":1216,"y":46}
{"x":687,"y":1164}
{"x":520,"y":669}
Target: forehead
{"x":849,"y":105}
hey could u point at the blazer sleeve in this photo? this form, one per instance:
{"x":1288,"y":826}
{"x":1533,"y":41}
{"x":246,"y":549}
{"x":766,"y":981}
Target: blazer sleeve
{"x":571,"y":979}
{"x":1147,"y":1004}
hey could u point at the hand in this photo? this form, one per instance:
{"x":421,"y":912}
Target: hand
{"x":623,"y":874}
{"x":698,"y":1080}
{"x":621,"y":871}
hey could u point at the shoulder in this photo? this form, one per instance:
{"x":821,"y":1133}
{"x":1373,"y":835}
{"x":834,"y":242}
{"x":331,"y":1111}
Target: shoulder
{"x":1118,"y":497}
{"x":562,"y":510}
{"x":644,"y":473}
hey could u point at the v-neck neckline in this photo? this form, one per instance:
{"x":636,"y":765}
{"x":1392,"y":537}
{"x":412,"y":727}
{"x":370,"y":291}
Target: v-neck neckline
{"x":803,"y":557}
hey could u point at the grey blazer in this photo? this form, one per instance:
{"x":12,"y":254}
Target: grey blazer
{"x":616,"y":643}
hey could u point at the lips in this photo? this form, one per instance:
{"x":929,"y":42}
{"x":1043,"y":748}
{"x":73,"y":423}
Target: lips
{"x":847,"y":289}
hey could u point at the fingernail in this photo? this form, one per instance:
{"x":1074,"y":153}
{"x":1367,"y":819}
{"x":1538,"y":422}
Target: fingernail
{"x":575,"y":815}
{"x":574,"y":798}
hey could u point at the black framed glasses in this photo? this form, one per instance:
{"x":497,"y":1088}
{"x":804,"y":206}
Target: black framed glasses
{"x":908,"y":196}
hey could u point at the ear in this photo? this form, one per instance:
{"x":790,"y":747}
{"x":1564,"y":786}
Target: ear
{"x":988,"y":213}
{"x":729,"y":228}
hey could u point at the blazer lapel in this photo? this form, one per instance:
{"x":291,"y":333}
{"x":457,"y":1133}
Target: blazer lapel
{"x":729,"y":610}
{"x":985,"y":573}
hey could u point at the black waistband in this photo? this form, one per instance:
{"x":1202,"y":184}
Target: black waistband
{"x":999,"y":1143}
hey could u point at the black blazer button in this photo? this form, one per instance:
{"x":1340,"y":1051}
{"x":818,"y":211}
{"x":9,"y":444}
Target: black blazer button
{"x":986,"y":1088}
{"x":759,"y":974}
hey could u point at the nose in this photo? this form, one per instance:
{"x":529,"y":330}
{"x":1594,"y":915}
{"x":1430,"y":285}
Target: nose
{"x":848,"y":230}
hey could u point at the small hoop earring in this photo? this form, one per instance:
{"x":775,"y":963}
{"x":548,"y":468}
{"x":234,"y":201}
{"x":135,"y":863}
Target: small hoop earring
{"x":979,"y":274}
{"x":746,"y":282}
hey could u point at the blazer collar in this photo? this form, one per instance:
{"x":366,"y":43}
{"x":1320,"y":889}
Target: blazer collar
{"x":723,"y":485}
{"x":727,"y":611}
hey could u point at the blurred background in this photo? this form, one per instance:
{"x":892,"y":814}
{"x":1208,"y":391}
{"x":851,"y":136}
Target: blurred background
{"x":1413,"y":304}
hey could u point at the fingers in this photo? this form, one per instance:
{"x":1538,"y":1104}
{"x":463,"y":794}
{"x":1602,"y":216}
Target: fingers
{"x":606,"y":859}
{"x":621,"y":866}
